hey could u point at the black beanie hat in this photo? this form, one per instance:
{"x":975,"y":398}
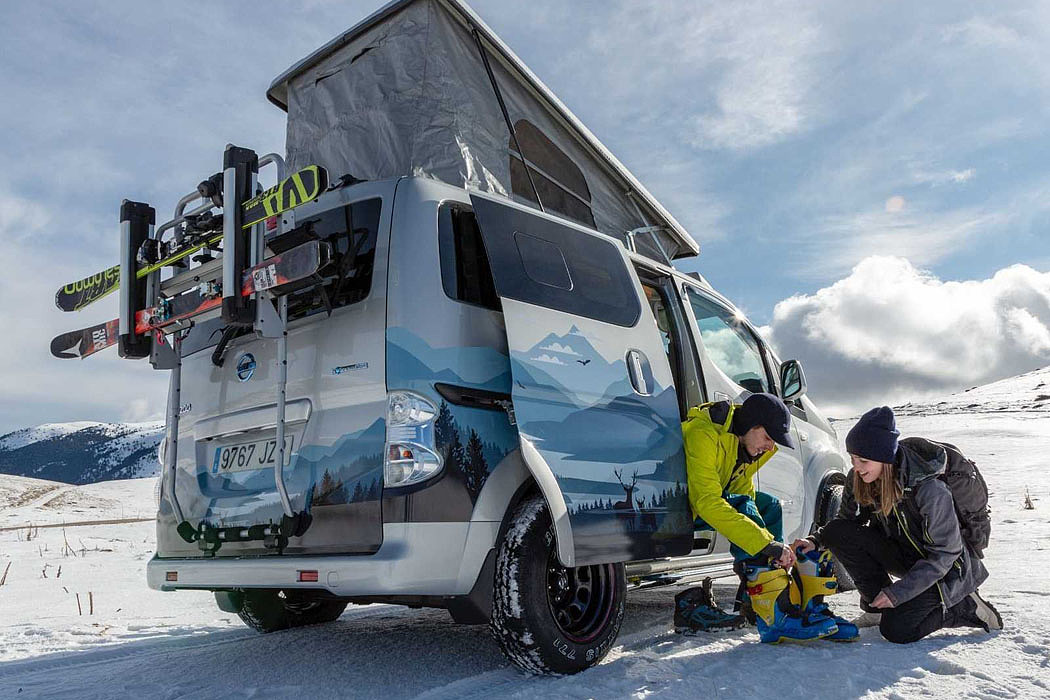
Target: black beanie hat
{"x":874,"y":436}
{"x":768,"y":411}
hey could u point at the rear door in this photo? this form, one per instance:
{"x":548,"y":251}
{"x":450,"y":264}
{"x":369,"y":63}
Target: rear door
{"x":593,"y":393}
{"x":336,"y":403}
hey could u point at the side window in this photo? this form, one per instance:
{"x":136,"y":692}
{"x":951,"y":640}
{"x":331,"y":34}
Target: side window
{"x":729,"y":343}
{"x":465,"y":272}
{"x":670,"y":324}
{"x":352,"y":230}
{"x":540,"y":261}
{"x":559,"y":181}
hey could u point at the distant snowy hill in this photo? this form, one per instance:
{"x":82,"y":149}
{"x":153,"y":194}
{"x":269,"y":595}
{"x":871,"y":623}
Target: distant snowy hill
{"x":82,"y":452}
{"x":1029,"y":392}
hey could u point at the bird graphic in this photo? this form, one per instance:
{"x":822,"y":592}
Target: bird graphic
{"x":583,"y":362}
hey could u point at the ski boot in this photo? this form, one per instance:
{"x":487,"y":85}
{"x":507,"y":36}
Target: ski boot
{"x":815,"y":577}
{"x":778,"y":619}
{"x":742,"y":603}
{"x":695,"y":610}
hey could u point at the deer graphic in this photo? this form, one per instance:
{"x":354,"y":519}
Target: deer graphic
{"x":628,"y":502}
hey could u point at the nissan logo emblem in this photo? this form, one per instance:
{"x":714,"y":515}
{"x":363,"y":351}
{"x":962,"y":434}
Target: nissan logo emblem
{"x":246,"y":367}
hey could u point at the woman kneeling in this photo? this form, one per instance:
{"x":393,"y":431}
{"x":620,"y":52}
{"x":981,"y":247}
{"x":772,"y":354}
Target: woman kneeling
{"x":898,"y":519}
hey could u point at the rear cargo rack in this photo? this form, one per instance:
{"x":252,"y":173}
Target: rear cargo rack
{"x":239,"y":285}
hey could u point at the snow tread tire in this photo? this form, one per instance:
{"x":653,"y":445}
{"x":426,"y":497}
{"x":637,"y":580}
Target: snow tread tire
{"x":521,"y":620}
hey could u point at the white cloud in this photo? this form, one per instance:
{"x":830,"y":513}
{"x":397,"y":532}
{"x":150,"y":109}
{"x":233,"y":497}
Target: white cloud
{"x":890,"y":332}
{"x":548,"y":359}
{"x":919,"y":236}
{"x":558,"y":347}
{"x":20,"y":217}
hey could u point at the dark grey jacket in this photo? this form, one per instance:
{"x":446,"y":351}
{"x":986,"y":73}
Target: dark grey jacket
{"x":923,"y":522}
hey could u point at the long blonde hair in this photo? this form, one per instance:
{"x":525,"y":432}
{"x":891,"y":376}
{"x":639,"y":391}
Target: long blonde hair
{"x":882,"y":494}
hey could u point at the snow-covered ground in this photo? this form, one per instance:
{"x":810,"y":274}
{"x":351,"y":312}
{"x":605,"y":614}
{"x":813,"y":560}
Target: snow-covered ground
{"x":142,"y":643}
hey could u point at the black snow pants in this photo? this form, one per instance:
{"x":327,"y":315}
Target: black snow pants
{"x":871,"y":557}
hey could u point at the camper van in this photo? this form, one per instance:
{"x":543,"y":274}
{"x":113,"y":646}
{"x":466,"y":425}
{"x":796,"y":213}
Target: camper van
{"x":475,"y":403}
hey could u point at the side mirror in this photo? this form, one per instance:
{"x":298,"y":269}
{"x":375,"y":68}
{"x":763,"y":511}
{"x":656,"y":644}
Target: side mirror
{"x":792,"y":380}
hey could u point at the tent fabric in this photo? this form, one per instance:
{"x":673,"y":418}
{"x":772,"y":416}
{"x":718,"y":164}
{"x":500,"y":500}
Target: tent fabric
{"x":409,"y":95}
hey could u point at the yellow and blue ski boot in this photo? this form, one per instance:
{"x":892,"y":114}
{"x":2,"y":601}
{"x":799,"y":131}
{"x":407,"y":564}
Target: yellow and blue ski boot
{"x":778,"y":618}
{"x":815,"y":577}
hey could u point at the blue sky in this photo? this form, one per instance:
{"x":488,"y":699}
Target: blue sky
{"x":795,"y":141}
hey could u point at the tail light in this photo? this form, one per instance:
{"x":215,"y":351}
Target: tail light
{"x":411,"y":455}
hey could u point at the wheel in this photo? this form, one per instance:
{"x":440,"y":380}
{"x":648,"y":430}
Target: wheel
{"x":830,"y":507}
{"x":547,"y":618}
{"x":267,"y":610}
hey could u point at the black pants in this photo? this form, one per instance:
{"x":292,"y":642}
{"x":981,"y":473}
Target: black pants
{"x":870,"y":557}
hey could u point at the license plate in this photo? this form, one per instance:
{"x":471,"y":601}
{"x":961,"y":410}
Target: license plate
{"x":244,"y":456}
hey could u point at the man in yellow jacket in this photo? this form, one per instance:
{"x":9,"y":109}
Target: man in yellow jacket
{"x":725,"y":446}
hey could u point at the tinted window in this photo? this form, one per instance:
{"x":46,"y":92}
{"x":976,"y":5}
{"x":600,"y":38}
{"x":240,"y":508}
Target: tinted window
{"x":558,"y":180}
{"x":465,"y":272}
{"x":578,"y":273}
{"x":352,"y":231}
{"x":729,"y":343}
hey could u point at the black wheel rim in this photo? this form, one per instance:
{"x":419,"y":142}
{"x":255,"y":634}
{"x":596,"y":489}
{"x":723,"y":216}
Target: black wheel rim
{"x":580,"y":599}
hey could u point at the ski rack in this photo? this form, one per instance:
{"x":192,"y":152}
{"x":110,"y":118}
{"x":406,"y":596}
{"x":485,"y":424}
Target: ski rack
{"x":241,"y":250}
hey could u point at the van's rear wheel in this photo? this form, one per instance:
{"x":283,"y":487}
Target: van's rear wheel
{"x":547,"y":618}
{"x":830,"y":503}
{"x":266,"y":610}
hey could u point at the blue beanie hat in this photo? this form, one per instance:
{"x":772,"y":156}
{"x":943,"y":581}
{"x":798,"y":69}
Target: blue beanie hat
{"x":874,"y":436}
{"x":768,"y":411}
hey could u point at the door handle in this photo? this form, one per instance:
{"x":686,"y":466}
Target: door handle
{"x":636,"y":371}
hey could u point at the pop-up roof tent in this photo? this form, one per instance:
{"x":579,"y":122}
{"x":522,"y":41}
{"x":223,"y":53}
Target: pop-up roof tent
{"x":416,"y":89}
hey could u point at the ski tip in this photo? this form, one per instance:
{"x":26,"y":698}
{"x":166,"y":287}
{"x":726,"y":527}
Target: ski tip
{"x":61,"y":346}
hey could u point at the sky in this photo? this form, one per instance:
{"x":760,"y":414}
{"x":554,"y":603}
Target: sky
{"x":866,"y":181}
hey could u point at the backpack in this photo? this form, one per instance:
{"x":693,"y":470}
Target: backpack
{"x":970,"y":493}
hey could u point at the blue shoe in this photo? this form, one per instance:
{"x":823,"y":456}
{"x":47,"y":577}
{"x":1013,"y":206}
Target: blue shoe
{"x":815,"y":577}
{"x":788,"y":628}
{"x":779,"y":618}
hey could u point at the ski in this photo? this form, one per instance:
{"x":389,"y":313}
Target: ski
{"x":301,"y":187}
{"x":295,"y":265}
{"x":86,"y":341}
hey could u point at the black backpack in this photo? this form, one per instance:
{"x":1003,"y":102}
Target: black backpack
{"x":970,"y":493}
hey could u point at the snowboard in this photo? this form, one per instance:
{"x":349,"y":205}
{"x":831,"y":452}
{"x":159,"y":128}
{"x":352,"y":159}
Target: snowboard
{"x":295,"y":265}
{"x":301,"y":187}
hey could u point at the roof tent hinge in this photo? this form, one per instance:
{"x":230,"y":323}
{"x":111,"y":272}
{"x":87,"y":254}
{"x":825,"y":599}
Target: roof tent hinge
{"x":506,"y":115}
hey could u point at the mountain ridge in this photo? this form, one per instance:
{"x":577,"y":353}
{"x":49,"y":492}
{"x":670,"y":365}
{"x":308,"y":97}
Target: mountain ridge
{"x":82,"y":452}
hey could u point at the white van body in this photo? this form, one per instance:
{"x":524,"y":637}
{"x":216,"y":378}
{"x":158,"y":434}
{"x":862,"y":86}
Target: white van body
{"x":472,"y":353}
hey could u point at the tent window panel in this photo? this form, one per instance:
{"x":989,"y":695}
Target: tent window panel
{"x":555,"y":199}
{"x":560,"y":183}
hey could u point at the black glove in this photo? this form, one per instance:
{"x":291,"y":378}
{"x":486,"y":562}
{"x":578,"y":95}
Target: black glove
{"x":774,"y":550}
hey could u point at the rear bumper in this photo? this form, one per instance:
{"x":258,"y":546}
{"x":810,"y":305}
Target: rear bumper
{"x":415,"y":559}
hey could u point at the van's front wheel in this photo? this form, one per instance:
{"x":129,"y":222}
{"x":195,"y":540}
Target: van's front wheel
{"x":547,"y":618}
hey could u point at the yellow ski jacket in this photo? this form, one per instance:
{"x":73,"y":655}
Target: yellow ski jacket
{"x":710,"y":458}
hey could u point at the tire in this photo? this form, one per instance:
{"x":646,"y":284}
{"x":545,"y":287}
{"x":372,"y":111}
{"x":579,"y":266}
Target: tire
{"x":267,"y":610}
{"x":830,"y":503}
{"x":546,"y":618}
